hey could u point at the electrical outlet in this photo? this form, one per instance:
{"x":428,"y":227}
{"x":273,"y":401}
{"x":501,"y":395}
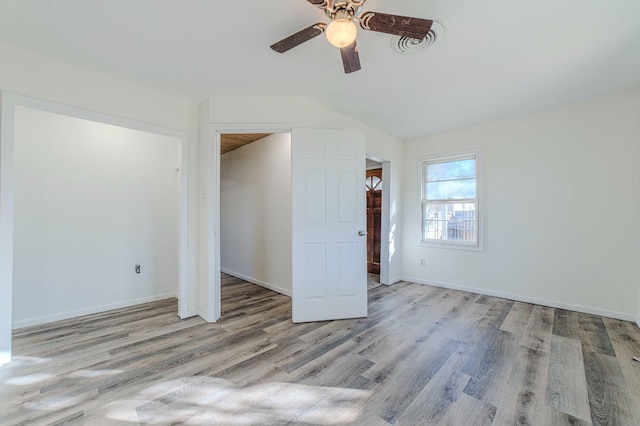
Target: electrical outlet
{"x":137,"y":269}
{"x":421,"y":262}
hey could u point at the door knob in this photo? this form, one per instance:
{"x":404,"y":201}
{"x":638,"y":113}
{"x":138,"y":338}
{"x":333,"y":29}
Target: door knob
{"x":362,"y":233}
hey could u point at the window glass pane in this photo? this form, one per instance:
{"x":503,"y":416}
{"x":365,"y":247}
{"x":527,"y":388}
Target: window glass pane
{"x":375,"y":181}
{"x":455,"y":211}
{"x":451,"y":170}
{"x":461,"y":230}
{"x":450,"y":221}
{"x":451,"y":190}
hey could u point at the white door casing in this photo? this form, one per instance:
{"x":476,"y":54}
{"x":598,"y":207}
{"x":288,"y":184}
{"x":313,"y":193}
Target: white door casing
{"x":328,"y":219}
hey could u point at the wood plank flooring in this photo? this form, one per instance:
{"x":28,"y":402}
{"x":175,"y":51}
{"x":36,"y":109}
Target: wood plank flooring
{"x":423,"y":356}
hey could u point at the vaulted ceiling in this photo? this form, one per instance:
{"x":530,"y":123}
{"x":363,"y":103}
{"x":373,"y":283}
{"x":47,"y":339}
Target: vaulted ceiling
{"x":230,"y":142}
{"x":498,"y":58}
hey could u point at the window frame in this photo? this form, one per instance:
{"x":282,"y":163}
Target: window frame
{"x":422,"y":172}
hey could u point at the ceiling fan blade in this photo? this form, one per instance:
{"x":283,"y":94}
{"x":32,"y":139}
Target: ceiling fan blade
{"x":403,"y":26}
{"x":350,"y":58}
{"x":299,"y":37}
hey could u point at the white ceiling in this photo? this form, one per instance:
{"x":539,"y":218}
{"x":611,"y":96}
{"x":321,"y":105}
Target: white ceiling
{"x":498,"y":58}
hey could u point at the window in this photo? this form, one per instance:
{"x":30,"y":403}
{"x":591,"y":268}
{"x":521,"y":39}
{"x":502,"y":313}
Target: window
{"x":373,"y":180}
{"x":450,"y":200}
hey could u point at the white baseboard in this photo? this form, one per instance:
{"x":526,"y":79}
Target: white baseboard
{"x":190,"y":313}
{"x":202,"y":314}
{"x":395,"y":280}
{"x":91,"y":310}
{"x":526,"y":299}
{"x":257,"y":282}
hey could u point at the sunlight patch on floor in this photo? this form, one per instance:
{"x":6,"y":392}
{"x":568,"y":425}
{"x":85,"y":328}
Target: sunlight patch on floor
{"x":206,"y":400}
{"x":54,"y":403}
{"x":29,"y":379}
{"x":25,"y":361}
{"x":94,"y":373}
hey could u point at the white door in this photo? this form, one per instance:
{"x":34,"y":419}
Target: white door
{"x":329,"y":259}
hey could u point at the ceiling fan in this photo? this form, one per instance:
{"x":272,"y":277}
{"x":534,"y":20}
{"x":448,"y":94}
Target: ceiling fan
{"x":342,"y":30}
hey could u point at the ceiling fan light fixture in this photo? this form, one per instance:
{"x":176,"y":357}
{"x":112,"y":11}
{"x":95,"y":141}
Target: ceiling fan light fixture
{"x":341,"y":32}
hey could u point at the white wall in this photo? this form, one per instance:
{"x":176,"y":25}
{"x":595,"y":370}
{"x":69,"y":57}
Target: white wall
{"x":40,"y":77}
{"x":91,"y":201}
{"x":561,"y":207}
{"x":255,"y":212}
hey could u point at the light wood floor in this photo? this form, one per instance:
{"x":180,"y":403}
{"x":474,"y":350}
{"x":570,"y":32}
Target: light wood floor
{"x":424,"y":356}
{"x":373,"y":281}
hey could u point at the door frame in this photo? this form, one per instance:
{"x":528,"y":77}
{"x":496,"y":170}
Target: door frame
{"x":212,"y":178}
{"x":212,"y":186}
{"x":385,"y":219}
{"x":9,"y":102}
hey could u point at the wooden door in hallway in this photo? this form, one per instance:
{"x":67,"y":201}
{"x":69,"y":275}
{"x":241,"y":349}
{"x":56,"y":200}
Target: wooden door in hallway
{"x":374,"y":223}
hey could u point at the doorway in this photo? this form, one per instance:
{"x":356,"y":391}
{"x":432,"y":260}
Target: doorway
{"x":10,"y":104}
{"x":255,"y":213}
{"x":374,"y":221}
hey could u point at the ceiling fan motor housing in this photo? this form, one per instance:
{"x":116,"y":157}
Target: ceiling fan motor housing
{"x":342,"y":9}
